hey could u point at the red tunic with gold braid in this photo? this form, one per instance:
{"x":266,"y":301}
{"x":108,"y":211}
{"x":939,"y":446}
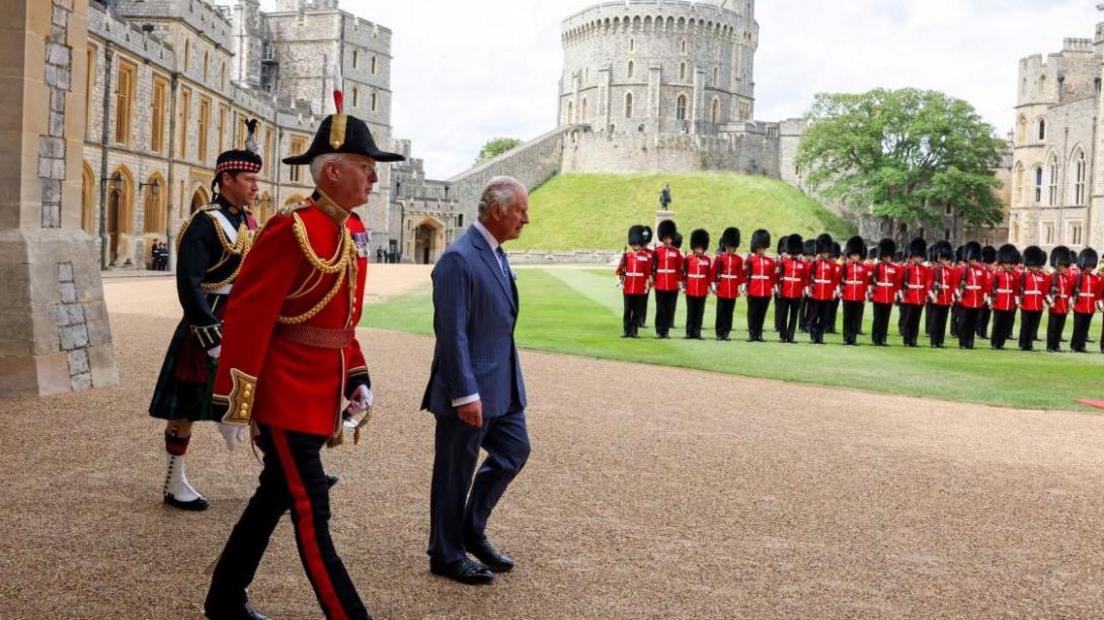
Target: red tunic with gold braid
{"x":290,"y":354}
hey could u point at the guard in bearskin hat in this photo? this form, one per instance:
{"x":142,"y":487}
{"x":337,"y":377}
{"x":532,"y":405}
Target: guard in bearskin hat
{"x":805,"y":315}
{"x":915,"y":283}
{"x":1034,"y":287}
{"x":667,"y":267}
{"x":728,"y":279}
{"x":822,"y":288}
{"x":833,"y":307}
{"x":884,"y":286}
{"x":697,"y":272}
{"x":760,"y":283}
{"x":782,"y":254}
{"x":989,"y":261}
{"x":290,"y":361}
{"x":854,"y":287}
{"x":643,"y":318}
{"x":634,"y":274}
{"x":973,"y":294}
{"x":210,"y":248}
{"x":1004,"y":290}
{"x":944,"y":278}
{"x":1059,"y":296}
{"x":792,"y":277}
{"x":1086,"y":297}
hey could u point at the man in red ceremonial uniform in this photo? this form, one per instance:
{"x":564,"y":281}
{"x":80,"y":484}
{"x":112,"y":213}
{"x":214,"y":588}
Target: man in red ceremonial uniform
{"x":792,"y":277}
{"x":973,"y":293}
{"x":634,"y":274}
{"x":1034,"y":287}
{"x":290,"y":359}
{"x":822,"y":288}
{"x":667,"y":268}
{"x":914,"y":291}
{"x":944,"y":285}
{"x":642,"y":320}
{"x":728,"y":277}
{"x":697,"y":271}
{"x":1086,"y":291}
{"x":1004,"y":291}
{"x":989,"y":261}
{"x":884,"y":284}
{"x":1058,"y":296}
{"x":760,"y":283}
{"x":854,"y":286}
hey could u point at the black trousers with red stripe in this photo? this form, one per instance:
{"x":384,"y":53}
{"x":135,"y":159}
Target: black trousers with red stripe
{"x":292,"y":478}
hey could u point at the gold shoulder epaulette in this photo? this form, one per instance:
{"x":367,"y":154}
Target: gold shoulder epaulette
{"x":289,"y":209}
{"x":188,"y":222}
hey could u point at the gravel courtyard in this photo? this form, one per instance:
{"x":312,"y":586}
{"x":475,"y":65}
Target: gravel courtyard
{"x":651,"y":493}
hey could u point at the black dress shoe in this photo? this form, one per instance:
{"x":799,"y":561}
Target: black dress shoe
{"x":196,"y":505}
{"x":464,"y":571}
{"x":245,"y":612}
{"x":492,"y":558}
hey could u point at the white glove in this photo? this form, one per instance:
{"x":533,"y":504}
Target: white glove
{"x":743,"y":289}
{"x":361,"y":399}
{"x":233,"y":434}
{"x":215,"y":352}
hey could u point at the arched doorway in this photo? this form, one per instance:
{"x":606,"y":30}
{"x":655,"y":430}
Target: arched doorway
{"x":88,"y":186}
{"x":199,"y":199}
{"x":120,"y":201}
{"x":429,"y":240}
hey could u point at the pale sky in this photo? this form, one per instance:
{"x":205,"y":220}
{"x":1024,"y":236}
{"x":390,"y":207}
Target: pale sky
{"x":466,"y":72}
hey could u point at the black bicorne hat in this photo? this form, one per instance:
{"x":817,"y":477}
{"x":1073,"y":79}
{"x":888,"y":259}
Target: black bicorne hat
{"x":1088,"y":259}
{"x":760,"y":240}
{"x":1034,"y":256}
{"x":1008,"y":255}
{"x":730,"y":238}
{"x":342,"y":133}
{"x":699,"y":238}
{"x":887,"y":247}
{"x":666,"y":228}
{"x":855,"y":245}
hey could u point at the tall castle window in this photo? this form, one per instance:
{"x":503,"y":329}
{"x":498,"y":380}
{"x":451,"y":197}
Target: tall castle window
{"x":632,"y":45}
{"x":205,"y":63}
{"x":373,"y":65}
{"x":1079,"y":175}
{"x":187,"y":53}
{"x":1073,"y":235}
{"x":356,"y":97}
{"x":157,"y":114}
{"x":124,"y":101}
{"x":715,"y":113}
{"x":88,"y":91}
{"x":1038,"y":184}
{"x":1021,"y":130}
{"x":375,"y":102}
{"x":630,"y":71}
{"x":185,"y":108}
{"x":583,"y":110}
{"x":204,"y":126}
{"x":1042,"y":129}
{"x":682,"y":71}
{"x":628,"y":105}
{"x":356,"y":58}
{"x":222,"y":128}
{"x":1048,"y":233}
{"x":1052,"y":186}
{"x":680,"y":108}
{"x":1018,"y":185}
{"x":298,"y":145}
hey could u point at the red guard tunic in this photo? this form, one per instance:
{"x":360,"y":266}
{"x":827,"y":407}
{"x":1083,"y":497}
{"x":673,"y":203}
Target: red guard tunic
{"x":1004,"y":290}
{"x":944,"y":283}
{"x":635,"y":270}
{"x":728,"y":274}
{"x":915,"y":280}
{"x":885,"y":282}
{"x":855,"y":281}
{"x":1087,"y":286}
{"x":290,"y":352}
{"x":1034,"y":287}
{"x":824,"y":280}
{"x":973,"y":286}
{"x":760,"y":276}
{"x":698,"y":272}
{"x":668,"y":268}
{"x":793,"y":277}
{"x":1061,"y":288}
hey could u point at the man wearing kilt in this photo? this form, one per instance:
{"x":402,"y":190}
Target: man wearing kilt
{"x":210,"y":249}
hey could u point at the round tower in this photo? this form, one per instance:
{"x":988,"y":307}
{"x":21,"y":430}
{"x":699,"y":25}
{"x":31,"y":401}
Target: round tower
{"x":659,"y":67}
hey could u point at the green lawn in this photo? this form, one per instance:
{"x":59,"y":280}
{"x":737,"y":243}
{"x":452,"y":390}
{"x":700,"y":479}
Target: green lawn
{"x":578,"y":311}
{"x":594,"y":211}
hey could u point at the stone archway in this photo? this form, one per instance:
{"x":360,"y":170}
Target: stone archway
{"x":429,"y":240}
{"x":120,"y":213}
{"x":88,"y":186}
{"x":199,"y":199}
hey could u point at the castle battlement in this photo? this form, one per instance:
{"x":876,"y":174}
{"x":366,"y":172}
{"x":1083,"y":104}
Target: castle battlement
{"x":204,"y":18}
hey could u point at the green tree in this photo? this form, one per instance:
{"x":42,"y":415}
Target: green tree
{"x":903,"y":154}
{"x":494,"y":148}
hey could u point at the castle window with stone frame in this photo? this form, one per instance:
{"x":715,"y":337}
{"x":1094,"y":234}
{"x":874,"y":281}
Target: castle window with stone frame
{"x":222,"y":127}
{"x":680,"y":108}
{"x":1021,"y":130}
{"x":88,"y":91}
{"x":1042,"y":129}
{"x":1047,"y":234}
{"x":375,"y":102}
{"x":630,"y":69}
{"x":628,"y":105}
{"x":298,"y":146}
{"x":157,"y":113}
{"x":356,"y":97}
{"x":206,"y":63}
{"x":682,"y":71}
{"x":203,"y":127}
{"x":632,"y":45}
{"x":373,"y":65}
{"x":185,"y":108}
{"x":684,"y":46}
{"x":124,"y":101}
{"x":187,"y":53}
{"x":1073,"y":233}
{"x":583,"y":110}
{"x":1038,"y":184}
{"x":1080,"y":173}
{"x":1018,"y":184}
{"x":356,"y":58}
{"x":715,"y":111}
{"x":1052,"y":185}
{"x":715,"y":74}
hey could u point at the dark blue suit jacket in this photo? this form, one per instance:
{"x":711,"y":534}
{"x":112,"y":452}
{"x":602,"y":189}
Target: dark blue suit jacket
{"x":475,"y":310}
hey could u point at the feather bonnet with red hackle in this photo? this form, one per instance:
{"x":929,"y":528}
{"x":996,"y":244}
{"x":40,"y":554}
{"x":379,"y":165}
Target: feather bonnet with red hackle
{"x":239,"y":160}
{"x":342,"y":133}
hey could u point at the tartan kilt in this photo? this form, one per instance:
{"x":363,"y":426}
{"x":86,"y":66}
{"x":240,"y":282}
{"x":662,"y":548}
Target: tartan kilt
{"x":178,"y":399}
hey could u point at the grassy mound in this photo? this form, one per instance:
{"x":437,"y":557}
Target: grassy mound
{"x":594,"y":211}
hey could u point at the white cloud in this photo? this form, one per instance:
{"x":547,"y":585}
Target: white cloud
{"x":463,"y":74}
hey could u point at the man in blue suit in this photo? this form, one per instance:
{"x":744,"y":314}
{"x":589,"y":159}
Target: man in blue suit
{"x":476,"y":390}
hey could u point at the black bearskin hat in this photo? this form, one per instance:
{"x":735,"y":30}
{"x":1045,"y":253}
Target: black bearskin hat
{"x":855,"y":245}
{"x":760,"y":240}
{"x":1060,"y":255}
{"x":972,"y":251}
{"x":946,"y":252}
{"x":1088,"y":259}
{"x":795,"y":245}
{"x":823,"y":243}
{"x":699,"y":239}
{"x":666,"y":228}
{"x":837,"y":251}
{"x":1034,"y":256}
{"x":809,"y":248}
{"x":960,"y":254}
{"x":872,"y":254}
{"x":677,"y":241}
{"x":988,"y":254}
{"x":918,"y":247}
{"x":731,"y":237}
{"x":1008,"y":255}
{"x":887,"y":247}
{"x":647,"y":235}
{"x":636,"y":235}
{"x":783,"y":247}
